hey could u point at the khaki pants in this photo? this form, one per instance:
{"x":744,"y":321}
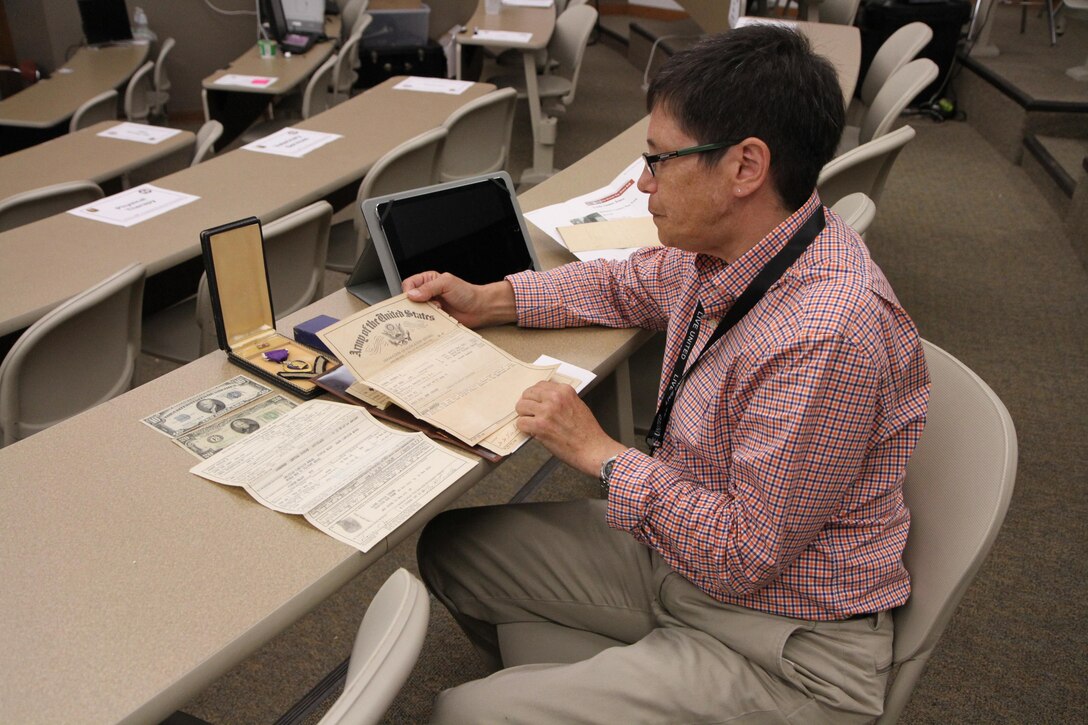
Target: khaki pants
{"x":682,"y":656}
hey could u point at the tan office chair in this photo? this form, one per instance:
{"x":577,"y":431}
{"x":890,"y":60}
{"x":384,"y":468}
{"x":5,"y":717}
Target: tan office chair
{"x":864,"y":168}
{"x":900,"y":48}
{"x":102,"y":107}
{"x":959,"y":482}
{"x":316,"y":98}
{"x":138,"y":94}
{"x":479,"y":136}
{"x":896,"y":93}
{"x":349,"y":15}
{"x":30,"y":206}
{"x":295,"y":246}
{"x":408,"y":166}
{"x":80,"y":354}
{"x":161,"y":94}
{"x":566,"y":48}
{"x":385,"y":651}
{"x":206,"y":137}
{"x":857,"y":210}
{"x":346,"y":72}
{"x":958,"y":485}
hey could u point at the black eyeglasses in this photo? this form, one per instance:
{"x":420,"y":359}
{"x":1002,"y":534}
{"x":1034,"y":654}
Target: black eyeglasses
{"x":652,"y":160}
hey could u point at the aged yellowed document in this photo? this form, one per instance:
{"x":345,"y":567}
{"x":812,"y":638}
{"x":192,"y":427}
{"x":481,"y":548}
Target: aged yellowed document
{"x":434,"y":367}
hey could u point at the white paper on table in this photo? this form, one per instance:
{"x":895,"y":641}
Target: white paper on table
{"x":619,"y":199}
{"x":502,"y":36}
{"x":139,"y":132}
{"x":236,"y":79}
{"x":449,"y":86}
{"x":581,"y":376}
{"x":529,"y":3}
{"x":292,"y":142}
{"x":352,"y":477}
{"x":134,"y":206}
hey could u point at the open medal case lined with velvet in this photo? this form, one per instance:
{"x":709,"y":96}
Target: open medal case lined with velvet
{"x":242,"y":306}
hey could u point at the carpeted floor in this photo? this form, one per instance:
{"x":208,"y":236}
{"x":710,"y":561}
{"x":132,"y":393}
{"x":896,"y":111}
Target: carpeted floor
{"x":981,"y":262}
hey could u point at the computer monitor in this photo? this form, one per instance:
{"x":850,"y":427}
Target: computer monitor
{"x":304,"y":16}
{"x":104,"y":21}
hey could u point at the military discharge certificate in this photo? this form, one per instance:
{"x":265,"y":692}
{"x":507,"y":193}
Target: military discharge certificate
{"x":433,"y":366}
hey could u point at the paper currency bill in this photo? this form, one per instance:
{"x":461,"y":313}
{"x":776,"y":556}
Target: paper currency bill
{"x":206,"y":441}
{"x":203,"y":407}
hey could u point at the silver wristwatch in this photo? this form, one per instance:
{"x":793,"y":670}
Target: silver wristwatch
{"x":606,"y":474}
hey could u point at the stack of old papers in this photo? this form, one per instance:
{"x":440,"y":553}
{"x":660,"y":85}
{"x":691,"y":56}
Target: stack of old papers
{"x":418,"y":357}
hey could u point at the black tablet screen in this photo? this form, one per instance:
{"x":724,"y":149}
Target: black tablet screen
{"x":472,"y":231}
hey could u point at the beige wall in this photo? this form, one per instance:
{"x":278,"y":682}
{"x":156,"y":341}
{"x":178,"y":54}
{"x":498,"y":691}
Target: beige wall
{"x":45,"y":30}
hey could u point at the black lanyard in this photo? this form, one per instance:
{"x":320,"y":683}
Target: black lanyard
{"x":752,"y":294}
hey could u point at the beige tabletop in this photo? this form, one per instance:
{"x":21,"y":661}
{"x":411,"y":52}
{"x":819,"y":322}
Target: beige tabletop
{"x":540,"y":22}
{"x":130,"y":584}
{"x":44,"y":263}
{"x":91,"y":71}
{"x":84,"y":155}
{"x":289,"y":72}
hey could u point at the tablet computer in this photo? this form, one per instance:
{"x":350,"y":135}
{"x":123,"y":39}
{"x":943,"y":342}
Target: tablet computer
{"x":471,"y":227}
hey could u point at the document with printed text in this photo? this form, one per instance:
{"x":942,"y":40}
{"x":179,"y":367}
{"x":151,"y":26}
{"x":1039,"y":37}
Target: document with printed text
{"x":433,"y":367}
{"x":139,"y":132}
{"x":293,"y":142}
{"x":449,"y":86}
{"x":620,"y":199}
{"x":134,"y":205}
{"x":352,"y":477}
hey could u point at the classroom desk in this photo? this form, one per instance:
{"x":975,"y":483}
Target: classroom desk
{"x":237,"y":107}
{"x":84,"y":155}
{"x":541,"y":23}
{"x":130,"y":585}
{"x":46,"y":262}
{"x":42,"y":111}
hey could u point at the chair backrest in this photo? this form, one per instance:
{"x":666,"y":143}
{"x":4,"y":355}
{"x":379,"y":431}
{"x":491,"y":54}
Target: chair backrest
{"x":857,"y":210}
{"x":349,"y":13}
{"x":837,"y":12}
{"x":138,"y":93}
{"x":896,"y":93}
{"x":30,"y":206}
{"x":410,"y":165}
{"x":959,"y":482}
{"x":900,"y":48}
{"x":568,"y":45}
{"x":295,"y":248}
{"x":317,"y":97}
{"x":206,"y":137}
{"x":479,"y":136}
{"x":385,"y":651}
{"x":347,"y":61}
{"x":864,"y":168}
{"x":62,"y":347}
{"x":102,"y":107}
{"x":161,"y":80}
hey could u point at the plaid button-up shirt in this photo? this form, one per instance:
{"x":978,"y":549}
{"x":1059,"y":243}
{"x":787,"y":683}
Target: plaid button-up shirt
{"x":779,"y":483}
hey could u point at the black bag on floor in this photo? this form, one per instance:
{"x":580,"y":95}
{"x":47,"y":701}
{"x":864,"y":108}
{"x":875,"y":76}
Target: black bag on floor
{"x":379,"y":64}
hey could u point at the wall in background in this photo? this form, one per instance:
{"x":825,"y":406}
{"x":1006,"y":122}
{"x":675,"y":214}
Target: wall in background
{"x":48,"y":31}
